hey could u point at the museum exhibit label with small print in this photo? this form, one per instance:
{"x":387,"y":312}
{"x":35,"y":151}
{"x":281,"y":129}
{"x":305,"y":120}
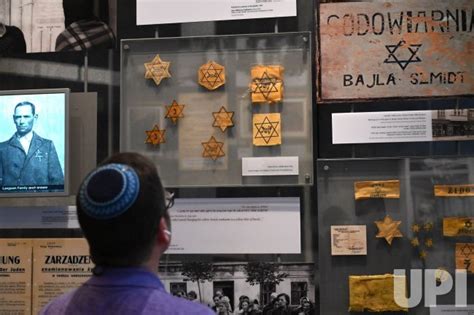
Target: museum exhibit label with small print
{"x":414,"y":48}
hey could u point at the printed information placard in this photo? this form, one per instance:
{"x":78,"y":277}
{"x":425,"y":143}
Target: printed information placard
{"x":452,"y":310}
{"x":374,"y":127}
{"x":181,"y":11}
{"x":235,"y":226}
{"x":59,"y":266}
{"x":15,"y":276}
{"x":403,"y":126}
{"x":61,"y":217}
{"x":396,"y":48}
{"x":270,"y":166}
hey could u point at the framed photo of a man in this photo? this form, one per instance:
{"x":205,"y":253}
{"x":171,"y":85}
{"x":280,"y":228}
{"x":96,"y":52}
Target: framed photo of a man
{"x":33,"y":142}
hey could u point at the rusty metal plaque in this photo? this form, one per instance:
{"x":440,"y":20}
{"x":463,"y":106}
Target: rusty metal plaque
{"x":390,"y":49}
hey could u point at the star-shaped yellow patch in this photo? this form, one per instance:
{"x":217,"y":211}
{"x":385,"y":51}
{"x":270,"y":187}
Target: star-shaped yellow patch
{"x":155,"y":136}
{"x":428,"y":226}
{"x":157,"y":70}
{"x":213,"y":149}
{"x":415,"y":228}
{"x":211,"y":75}
{"x":415,"y":242}
{"x":267,"y":84}
{"x":267,"y":129}
{"x":223,"y":119}
{"x":429,"y":242}
{"x":423,"y":254}
{"x":388,"y":229}
{"x":174,"y":111}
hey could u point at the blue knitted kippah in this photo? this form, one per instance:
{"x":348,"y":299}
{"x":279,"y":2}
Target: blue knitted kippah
{"x":109,"y":191}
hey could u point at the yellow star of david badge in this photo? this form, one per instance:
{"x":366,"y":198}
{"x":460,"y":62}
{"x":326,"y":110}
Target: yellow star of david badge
{"x":415,"y":228}
{"x":213,"y":149}
{"x":388,"y":229}
{"x":157,"y":70}
{"x":223,"y":119}
{"x":174,"y":111}
{"x":155,"y":136}
{"x":211,"y":75}
{"x":429,"y":242}
{"x":465,"y":257}
{"x":415,"y":242}
{"x":428,"y":226}
{"x":266,"y":129}
{"x":267,"y":84}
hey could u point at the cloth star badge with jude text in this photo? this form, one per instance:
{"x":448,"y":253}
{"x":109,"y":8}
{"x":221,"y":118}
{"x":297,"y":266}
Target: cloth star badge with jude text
{"x":211,"y":75}
{"x":267,"y":129}
{"x":267,"y":84}
{"x":157,"y":69}
{"x":223,"y":119}
{"x":213,"y":149}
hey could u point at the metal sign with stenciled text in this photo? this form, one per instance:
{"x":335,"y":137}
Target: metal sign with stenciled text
{"x":390,"y":49}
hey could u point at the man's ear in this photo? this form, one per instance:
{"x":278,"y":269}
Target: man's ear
{"x":164,"y":235}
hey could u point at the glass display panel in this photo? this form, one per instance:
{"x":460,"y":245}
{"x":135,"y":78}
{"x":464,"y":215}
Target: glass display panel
{"x":184,"y":149}
{"x":363,"y":192}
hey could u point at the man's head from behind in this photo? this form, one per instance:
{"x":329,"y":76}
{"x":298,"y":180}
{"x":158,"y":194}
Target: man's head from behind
{"x":121,"y":210}
{"x":24,"y":117}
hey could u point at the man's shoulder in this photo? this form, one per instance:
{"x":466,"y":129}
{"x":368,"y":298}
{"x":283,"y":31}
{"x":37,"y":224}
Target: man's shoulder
{"x":9,"y":141}
{"x":37,"y":137}
{"x":165,"y":303}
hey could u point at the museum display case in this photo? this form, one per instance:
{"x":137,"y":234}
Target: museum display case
{"x":226,"y":110}
{"x":378,"y":215}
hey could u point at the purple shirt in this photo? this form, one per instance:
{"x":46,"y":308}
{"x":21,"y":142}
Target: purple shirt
{"x":123,"y":291}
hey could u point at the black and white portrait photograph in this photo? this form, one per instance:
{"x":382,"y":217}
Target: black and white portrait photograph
{"x":32,"y":142}
{"x":245,"y":287}
{"x":453,"y":124}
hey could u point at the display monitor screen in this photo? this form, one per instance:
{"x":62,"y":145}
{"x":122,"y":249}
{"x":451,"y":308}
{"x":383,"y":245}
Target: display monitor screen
{"x":34,"y":143}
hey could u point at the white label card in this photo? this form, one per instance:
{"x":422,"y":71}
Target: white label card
{"x":181,"y":11}
{"x":235,"y":226}
{"x":452,"y":310}
{"x":380,"y":127}
{"x":348,"y":240}
{"x":270,"y":166}
{"x":38,"y":217}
